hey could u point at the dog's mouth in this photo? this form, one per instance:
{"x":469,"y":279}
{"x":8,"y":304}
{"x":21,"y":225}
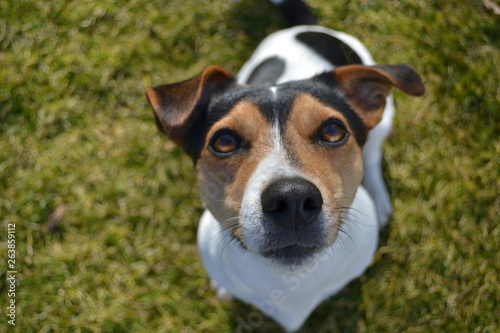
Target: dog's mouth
{"x":295,"y":254}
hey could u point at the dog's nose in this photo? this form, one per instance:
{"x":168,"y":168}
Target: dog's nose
{"x":292,"y":203}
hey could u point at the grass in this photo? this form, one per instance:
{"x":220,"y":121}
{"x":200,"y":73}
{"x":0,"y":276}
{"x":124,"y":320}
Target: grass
{"x":106,"y":209}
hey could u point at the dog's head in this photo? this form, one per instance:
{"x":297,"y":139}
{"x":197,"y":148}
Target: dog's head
{"x":277,"y":166}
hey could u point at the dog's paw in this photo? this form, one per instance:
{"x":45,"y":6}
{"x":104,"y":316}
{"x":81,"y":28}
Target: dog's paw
{"x":375,"y":185}
{"x":384,"y":209}
{"x":220,"y":292}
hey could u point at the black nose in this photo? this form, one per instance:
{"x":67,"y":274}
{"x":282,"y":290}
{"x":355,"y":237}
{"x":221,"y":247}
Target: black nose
{"x":292,"y":203}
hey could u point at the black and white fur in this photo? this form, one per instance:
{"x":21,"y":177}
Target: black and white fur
{"x":295,"y":54}
{"x":270,"y":119}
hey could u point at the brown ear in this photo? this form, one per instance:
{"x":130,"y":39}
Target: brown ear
{"x":179,"y":107}
{"x":366,"y":87}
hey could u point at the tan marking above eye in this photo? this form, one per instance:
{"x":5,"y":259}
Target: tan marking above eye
{"x":310,"y":118}
{"x":244,"y":121}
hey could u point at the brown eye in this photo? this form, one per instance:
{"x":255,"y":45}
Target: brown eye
{"x":332,"y":132}
{"x":225,"y":142}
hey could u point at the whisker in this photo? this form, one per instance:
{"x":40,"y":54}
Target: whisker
{"x":225,"y":228}
{"x":355,"y":219}
{"x":231,"y":238}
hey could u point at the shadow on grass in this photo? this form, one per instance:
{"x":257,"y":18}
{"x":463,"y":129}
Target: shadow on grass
{"x":256,"y":19}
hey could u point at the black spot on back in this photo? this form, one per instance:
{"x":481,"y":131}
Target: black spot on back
{"x":330,"y":48}
{"x":268,"y":71}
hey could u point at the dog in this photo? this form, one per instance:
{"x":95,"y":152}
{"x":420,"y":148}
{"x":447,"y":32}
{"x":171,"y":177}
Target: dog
{"x":288,"y":162}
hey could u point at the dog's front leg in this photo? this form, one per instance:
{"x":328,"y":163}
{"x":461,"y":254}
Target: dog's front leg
{"x":220,"y":292}
{"x":373,"y":179}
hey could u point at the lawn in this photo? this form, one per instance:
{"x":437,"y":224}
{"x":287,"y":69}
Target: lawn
{"x":106,"y":210}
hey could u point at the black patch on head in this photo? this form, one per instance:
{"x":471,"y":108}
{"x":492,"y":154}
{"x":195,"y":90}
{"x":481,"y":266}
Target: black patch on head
{"x":261,"y":96}
{"x":330,"y":48}
{"x":268,"y":71}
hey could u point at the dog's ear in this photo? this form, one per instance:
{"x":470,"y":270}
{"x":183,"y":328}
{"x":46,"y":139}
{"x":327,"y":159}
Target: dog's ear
{"x":181,"y":107}
{"x":366,"y":87}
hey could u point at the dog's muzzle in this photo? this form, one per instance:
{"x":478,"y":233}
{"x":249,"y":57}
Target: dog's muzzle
{"x":291,"y":207}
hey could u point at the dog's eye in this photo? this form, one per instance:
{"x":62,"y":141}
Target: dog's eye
{"x":332,"y":132}
{"x":225,"y":142}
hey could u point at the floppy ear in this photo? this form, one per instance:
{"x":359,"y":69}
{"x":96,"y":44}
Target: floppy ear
{"x":181,"y":107}
{"x":366,"y":87}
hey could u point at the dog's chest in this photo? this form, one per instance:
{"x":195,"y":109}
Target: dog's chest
{"x":290,"y":298}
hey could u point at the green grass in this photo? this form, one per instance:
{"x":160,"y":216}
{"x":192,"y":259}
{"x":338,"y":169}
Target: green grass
{"x":77,"y":136}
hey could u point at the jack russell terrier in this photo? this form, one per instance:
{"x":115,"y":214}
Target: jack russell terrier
{"x":288,"y":160}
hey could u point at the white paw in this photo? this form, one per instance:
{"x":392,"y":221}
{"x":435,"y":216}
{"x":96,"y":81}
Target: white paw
{"x":220,"y":292}
{"x":374,"y":184}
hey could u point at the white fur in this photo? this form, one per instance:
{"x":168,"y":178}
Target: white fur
{"x":273,"y":166}
{"x":273,"y":90}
